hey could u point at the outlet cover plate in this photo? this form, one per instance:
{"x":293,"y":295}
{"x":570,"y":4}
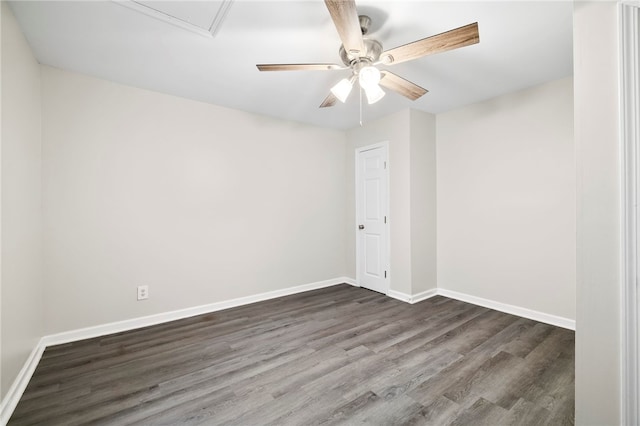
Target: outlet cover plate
{"x":143,"y":292}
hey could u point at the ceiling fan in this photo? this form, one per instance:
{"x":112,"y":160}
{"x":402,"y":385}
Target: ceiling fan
{"x":362,"y":55}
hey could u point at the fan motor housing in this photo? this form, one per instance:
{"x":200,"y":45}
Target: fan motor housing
{"x":373,"y":49}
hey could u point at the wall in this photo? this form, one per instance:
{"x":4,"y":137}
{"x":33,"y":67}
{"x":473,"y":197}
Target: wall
{"x":395,"y":130}
{"x":598,"y":225}
{"x":200,"y":202}
{"x":506,"y":199}
{"x":22,"y":290}
{"x":411,"y":138}
{"x":422,"y":129}
{"x":2,"y":386}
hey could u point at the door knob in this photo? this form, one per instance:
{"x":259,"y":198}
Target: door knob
{"x":360,"y":226}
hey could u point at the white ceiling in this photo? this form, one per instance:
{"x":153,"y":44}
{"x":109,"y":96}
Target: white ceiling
{"x":521,"y":44}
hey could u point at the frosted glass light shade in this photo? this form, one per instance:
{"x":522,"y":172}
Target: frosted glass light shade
{"x":374,"y":93}
{"x":342,"y":89}
{"x":369,"y":77}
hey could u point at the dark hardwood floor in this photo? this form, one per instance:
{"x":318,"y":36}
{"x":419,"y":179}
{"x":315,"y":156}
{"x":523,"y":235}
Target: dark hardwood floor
{"x":340,"y":355}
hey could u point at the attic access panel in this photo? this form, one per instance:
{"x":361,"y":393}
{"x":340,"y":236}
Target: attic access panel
{"x":201,"y":17}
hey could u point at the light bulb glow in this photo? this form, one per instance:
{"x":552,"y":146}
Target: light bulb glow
{"x":369,"y":77}
{"x":342,"y":89}
{"x":374,"y":93}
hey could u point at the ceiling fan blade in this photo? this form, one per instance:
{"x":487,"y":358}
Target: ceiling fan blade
{"x":345,"y":18}
{"x":299,"y":67}
{"x":329,"y":101}
{"x":400,"y":85}
{"x":460,"y":37}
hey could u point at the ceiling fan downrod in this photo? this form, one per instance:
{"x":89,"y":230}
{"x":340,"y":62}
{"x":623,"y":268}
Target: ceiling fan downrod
{"x":372,"y":47}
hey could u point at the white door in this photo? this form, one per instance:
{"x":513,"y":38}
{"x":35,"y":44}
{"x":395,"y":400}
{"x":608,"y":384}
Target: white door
{"x":372,"y":236}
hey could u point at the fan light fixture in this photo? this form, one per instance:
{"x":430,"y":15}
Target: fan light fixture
{"x":374,"y":93}
{"x":368,"y":78}
{"x":343,"y":88}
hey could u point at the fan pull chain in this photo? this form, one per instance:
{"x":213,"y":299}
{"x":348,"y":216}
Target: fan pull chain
{"x":360,"y":91}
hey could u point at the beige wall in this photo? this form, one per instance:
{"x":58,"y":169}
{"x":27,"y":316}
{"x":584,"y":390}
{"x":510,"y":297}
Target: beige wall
{"x":422,"y":129}
{"x":598,"y":255}
{"x":200,"y":202}
{"x":506,"y":199}
{"x":393,"y":129}
{"x":411,"y":138}
{"x":22,"y":291}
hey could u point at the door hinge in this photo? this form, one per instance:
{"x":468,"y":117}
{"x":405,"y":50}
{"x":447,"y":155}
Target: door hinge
{"x":385,"y":164}
{"x":385,"y":274}
{"x":385,"y":219}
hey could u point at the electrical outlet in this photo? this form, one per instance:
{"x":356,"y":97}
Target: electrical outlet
{"x":143,"y":292}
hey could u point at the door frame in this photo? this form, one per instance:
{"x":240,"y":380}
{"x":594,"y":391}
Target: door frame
{"x":387,"y":250}
{"x":629,"y":18}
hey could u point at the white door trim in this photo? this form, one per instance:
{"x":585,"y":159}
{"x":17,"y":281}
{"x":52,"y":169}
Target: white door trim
{"x":629,"y":19}
{"x":385,"y":146}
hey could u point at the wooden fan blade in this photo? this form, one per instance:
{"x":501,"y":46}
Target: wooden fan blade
{"x":400,"y":85}
{"x":298,"y":67}
{"x":345,"y":18}
{"x":329,"y":101}
{"x":460,"y":37}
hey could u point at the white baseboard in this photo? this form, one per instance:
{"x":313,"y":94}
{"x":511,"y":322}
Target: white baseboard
{"x":511,"y":309}
{"x":412,"y":298}
{"x":424,"y":295}
{"x":120,"y":326}
{"x":491,"y":304}
{"x":10,"y":401}
{"x":350,"y":281}
{"x":403,"y":297}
